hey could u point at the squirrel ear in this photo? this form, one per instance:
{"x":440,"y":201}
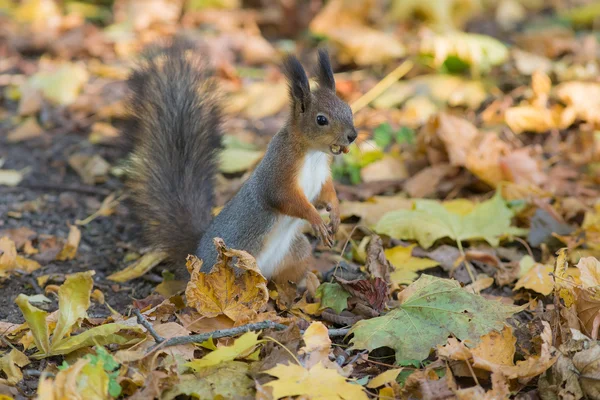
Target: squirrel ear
{"x":297,"y":81}
{"x":324,"y":71}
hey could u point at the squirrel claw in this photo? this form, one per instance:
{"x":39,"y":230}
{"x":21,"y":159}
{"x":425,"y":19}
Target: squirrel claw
{"x":322,"y":230}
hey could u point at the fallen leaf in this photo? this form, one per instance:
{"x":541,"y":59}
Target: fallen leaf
{"x":440,"y":15}
{"x":373,"y":209}
{"x":29,"y":129}
{"x":317,"y":345}
{"x":317,"y":382}
{"x":405,"y":265}
{"x":333,"y":296}
{"x":587,"y":363}
{"x":63,"y":84}
{"x":259,"y":99}
{"x":69,"y":250}
{"x":590,"y":272}
{"x":528,"y":368}
{"x":481,"y":52}
{"x":384,"y":378}
{"x":345,"y":24}
{"x":222,"y":291}
{"x":83,"y":379}
{"x":226,"y":380}
{"x":371,"y":292}
{"x":431,"y":309}
{"x":11,"y":364}
{"x":36,"y":320}
{"x":73,"y":302}
{"x":11,"y":177}
{"x":139,"y":267}
{"x":388,"y":168}
{"x":430,"y":221}
{"x":458,"y":136}
{"x":242,"y":347}
{"x":92,"y":169}
{"x":538,"y":278}
{"x":233,"y":161}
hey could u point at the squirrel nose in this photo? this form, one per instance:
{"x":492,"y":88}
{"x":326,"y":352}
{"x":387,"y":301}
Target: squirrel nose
{"x":352,"y":136}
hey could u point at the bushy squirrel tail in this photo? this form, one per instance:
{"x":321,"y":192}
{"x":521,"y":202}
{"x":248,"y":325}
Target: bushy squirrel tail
{"x":174,"y":132}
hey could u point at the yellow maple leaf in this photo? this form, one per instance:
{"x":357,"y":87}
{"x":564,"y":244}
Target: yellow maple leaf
{"x":384,"y":378}
{"x":537,"y":278}
{"x":318,"y":383}
{"x":406,"y":265}
{"x":242,"y":347}
{"x":238,"y":295}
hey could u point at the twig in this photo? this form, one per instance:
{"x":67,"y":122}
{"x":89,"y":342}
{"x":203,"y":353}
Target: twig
{"x":338,"y":332}
{"x":144,"y":322}
{"x":382,"y":86}
{"x":174,"y":341}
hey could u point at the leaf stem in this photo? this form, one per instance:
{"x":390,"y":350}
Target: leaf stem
{"x":468,"y":265}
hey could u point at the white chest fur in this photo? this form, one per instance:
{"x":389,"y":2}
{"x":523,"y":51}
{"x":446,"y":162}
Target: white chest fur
{"x":313,"y":174}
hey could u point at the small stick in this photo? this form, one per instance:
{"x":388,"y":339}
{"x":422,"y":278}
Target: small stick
{"x":144,"y":322}
{"x":174,"y":341}
{"x":338,"y":332}
{"x":382,"y":86}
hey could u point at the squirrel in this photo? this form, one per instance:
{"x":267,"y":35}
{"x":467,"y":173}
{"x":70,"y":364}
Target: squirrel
{"x":175,"y":134}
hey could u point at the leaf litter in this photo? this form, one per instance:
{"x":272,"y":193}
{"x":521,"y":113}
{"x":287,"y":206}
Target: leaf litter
{"x":477,"y":168}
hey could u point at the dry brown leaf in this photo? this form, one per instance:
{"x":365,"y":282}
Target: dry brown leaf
{"x":345,"y":24}
{"x":528,"y":368}
{"x":426,"y":181}
{"x":582,"y":100}
{"x":521,"y":168}
{"x":458,"y":136}
{"x":91,"y":169}
{"x":29,"y":129}
{"x":587,"y":363}
{"x":371,"y":211}
{"x":223,"y":291}
{"x":484,"y":160}
{"x":388,"y":168}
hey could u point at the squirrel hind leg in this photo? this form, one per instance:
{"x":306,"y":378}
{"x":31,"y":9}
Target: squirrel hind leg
{"x":294,"y":266}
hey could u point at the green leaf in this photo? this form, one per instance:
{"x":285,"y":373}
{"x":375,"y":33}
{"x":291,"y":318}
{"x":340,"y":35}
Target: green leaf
{"x":383,"y":135}
{"x":333,"y":296}
{"x":110,"y":365}
{"x":434,"y":309}
{"x":405,"y":135}
{"x":430,"y":221}
{"x":73,"y":302}
{"x":36,"y":319}
{"x":99,"y":335}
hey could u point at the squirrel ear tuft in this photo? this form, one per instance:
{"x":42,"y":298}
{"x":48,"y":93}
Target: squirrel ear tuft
{"x":324,"y":71}
{"x":297,"y":81}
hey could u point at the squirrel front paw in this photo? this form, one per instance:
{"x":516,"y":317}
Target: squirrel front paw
{"x":334,"y":217}
{"x":322,"y":230}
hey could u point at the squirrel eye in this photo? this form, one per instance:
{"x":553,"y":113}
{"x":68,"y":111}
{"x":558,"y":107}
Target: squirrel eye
{"x":321,"y":120}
